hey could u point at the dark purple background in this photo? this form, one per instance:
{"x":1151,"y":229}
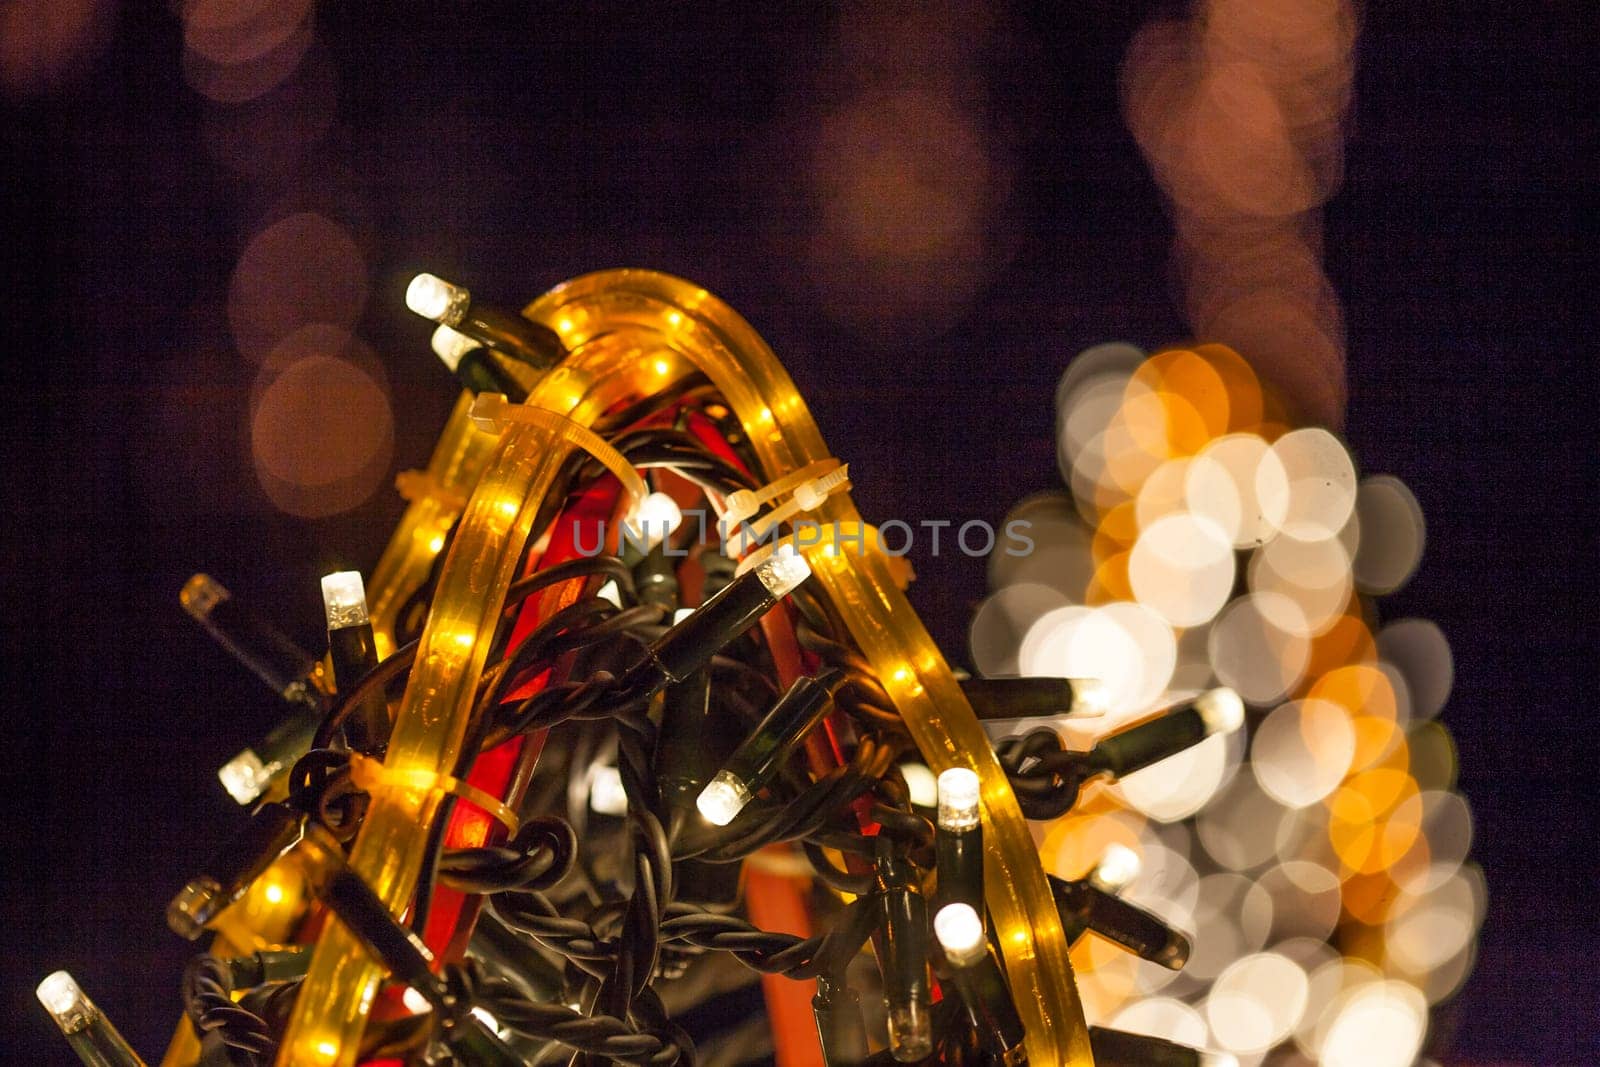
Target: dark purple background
{"x":515,"y":152}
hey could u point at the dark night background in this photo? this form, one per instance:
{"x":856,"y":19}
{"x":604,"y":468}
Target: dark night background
{"x":513,"y":151}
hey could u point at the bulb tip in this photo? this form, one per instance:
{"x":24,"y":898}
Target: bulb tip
{"x":959,"y":930}
{"x":1221,"y":709}
{"x":723,"y":798}
{"x":60,"y":995}
{"x":344,"y":597}
{"x":1119,"y":865}
{"x":245,"y":777}
{"x":959,"y":789}
{"x":450,"y":345}
{"x":434,"y":298}
{"x":1091,"y":697}
{"x":784,"y":572}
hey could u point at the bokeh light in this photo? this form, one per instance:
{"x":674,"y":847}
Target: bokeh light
{"x":1318,"y":860}
{"x":321,"y":429}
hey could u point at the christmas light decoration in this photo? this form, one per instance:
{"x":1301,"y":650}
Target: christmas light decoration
{"x":540,"y":781}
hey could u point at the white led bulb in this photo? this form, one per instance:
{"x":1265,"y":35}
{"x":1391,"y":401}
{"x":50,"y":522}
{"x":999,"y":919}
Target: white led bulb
{"x":344,"y":597}
{"x":960,"y":932}
{"x":1221,"y":710}
{"x":924,"y":788}
{"x":606,"y":794}
{"x":959,"y":789}
{"x":1119,"y":865}
{"x":450,"y":345}
{"x":1091,"y":697}
{"x":245,"y":776}
{"x":434,"y":298}
{"x":654,"y":520}
{"x":723,"y":798}
{"x":784,"y":572}
{"x":65,"y":1002}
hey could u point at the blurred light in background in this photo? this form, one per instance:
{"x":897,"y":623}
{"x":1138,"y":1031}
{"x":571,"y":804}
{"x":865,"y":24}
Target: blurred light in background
{"x":1239,"y":111}
{"x":44,"y":44}
{"x":1317,"y":860}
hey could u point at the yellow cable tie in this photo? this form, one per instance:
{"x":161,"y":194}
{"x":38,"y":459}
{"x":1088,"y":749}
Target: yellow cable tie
{"x":492,"y":413}
{"x":808,"y":495}
{"x":370,"y":774}
{"x":741,"y":504}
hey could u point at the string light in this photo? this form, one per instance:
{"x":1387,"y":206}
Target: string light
{"x":474,"y":367}
{"x":273,"y":830}
{"x":977,"y":977}
{"x":353,"y":651}
{"x":756,"y":760}
{"x":87,"y":1030}
{"x":511,"y":335}
{"x":654,"y":716}
{"x":958,"y":838}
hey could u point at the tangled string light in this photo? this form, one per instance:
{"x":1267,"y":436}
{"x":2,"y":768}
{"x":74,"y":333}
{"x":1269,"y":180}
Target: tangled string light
{"x":577,"y":760}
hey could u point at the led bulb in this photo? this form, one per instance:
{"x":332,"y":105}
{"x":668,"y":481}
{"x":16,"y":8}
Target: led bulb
{"x":960,"y":932}
{"x":344,"y":597}
{"x":1119,"y":865}
{"x":958,"y":799}
{"x":606,"y":794}
{"x":245,"y":776}
{"x":450,"y":345}
{"x":910,"y":1033}
{"x":921,"y":784}
{"x":784,"y":572}
{"x":483,"y":1016}
{"x":201,"y":594}
{"x":656,"y":517}
{"x":1091,"y":697}
{"x":434,"y":298}
{"x":415,"y":1002}
{"x":722,"y":799}
{"x":65,"y":1002}
{"x":1221,"y":710}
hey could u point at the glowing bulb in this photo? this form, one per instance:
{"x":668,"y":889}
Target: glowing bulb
{"x":245,"y":777}
{"x":958,"y":799}
{"x":723,"y":798}
{"x":1221,"y":710}
{"x":654,"y":520}
{"x":784,"y":572}
{"x":1118,"y":866}
{"x":450,"y":345}
{"x":921,"y":784}
{"x":606,"y":794}
{"x":960,"y":933}
{"x":273,"y":893}
{"x":1090,"y":697}
{"x":344,"y":598}
{"x":415,"y":1002}
{"x":434,"y":298}
{"x":437,"y":543}
{"x":64,"y":1001}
